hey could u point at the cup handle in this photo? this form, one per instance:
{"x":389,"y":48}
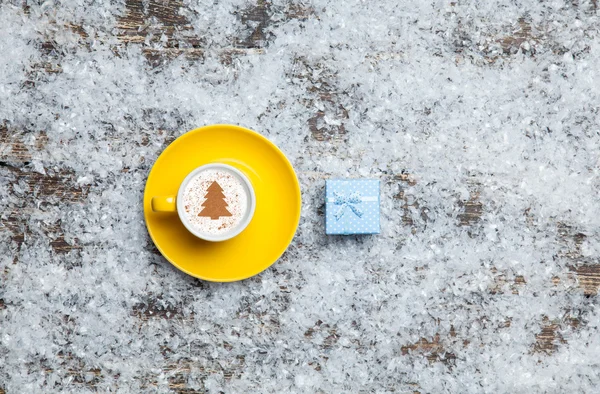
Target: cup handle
{"x":164,"y":204}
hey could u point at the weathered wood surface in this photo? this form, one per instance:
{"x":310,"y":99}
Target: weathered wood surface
{"x":164,"y":21}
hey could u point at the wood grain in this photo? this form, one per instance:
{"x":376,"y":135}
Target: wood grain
{"x":262,"y":15}
{"x":148,"y":22}
{"x":472,"y":209}
{"x":165,"y":33}
{"x":587,"y":271}
{"x":258,"y":15}
{"x":162,"y":29}
{"x":588,"y":277}
{"x":550,"y":338}
{"x":56,"y":184}
{"x":12,"y":147}
{"x":547,"y":340}
{"x":432,"y":349}
{"x":35,"y":192}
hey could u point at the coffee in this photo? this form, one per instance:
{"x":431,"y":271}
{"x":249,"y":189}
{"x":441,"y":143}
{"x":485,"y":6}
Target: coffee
{"x":215,"y":201}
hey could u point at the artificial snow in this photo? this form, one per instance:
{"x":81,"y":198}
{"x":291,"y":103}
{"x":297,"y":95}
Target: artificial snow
{"x":443,"y":101}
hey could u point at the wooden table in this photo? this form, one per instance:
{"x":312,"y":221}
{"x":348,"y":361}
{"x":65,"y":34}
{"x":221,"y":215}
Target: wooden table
{"x":38,"y":191}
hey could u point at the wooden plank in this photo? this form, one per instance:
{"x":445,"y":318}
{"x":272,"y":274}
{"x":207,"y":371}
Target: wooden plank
{"x":12,"y":147}
{"x":472,"y":209}
{"x":571,"y":241}
{"x":166,"y":33}
{"x":155,"y":21}
{"x":587,"y":271}
{"x":36,"y":190}
{"x":550,"y":337}
{"x":16,"y":223}
{"x":546,"y":340}
{"x":162,"y":28}
{"x":33,"y":188}
{"x":258,"y":17}
{"x":588,"y":278}
{"x":55,"y":183}
{"x":432,"y":349}
{"x":261,"y":16}
{"x":13,"y":150}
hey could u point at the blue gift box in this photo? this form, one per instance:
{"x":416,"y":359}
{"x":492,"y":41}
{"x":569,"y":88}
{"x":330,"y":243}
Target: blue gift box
{"x":352,"y":206}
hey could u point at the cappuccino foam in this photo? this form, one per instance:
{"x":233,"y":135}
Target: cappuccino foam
{"x":215,"y":201}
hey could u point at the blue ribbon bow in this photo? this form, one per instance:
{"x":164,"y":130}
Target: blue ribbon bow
{"x":349,"y":201}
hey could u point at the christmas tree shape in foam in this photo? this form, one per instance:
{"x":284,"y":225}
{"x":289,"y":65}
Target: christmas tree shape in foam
{"x":215,"y":205}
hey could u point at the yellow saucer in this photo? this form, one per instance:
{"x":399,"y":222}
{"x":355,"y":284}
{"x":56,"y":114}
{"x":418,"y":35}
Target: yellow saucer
{"x":275,"y":219}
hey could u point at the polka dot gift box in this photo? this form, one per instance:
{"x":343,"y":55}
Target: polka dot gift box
{"x":352,"y":206}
